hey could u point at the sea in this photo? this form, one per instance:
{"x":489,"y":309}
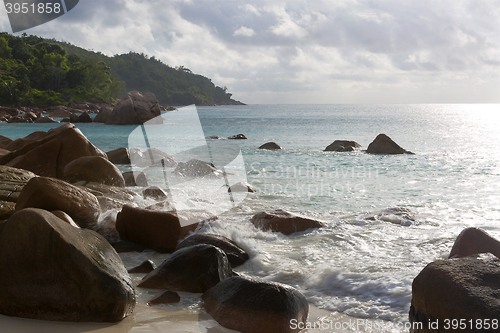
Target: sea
{"x":363,"y":261}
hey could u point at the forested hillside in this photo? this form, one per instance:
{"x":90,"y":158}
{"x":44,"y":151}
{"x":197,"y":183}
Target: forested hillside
{"x":36,"y":71}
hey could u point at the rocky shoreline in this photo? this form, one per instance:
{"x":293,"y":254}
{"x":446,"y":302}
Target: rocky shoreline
{"x":56,"y":189}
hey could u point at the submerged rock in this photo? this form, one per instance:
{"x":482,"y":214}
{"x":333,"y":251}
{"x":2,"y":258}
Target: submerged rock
{"x":241,"y":187}
{"x":165,"y":297}
{"x":193,"y":269}
{"x":158,"y":230}
{"x":384,"y":145}
{"x":254,"y":305}
{"x":235,"y":254}
{"x":196,"y":168}
{"x":343,"y":146}
{"x":237,"y":137}
{"x":396,"y":215}
{"x":281,"y":221}
{"x":54,"y":194}
{"x":465,"y":289}
{"x":270,"y":146}
{"x":53,"y":271}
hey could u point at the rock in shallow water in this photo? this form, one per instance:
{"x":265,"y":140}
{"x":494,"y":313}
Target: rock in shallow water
{"x":158,"y":230}
{"x":235,"y":254}
{"x":384,"y":145}
{"x":54,"y":271}
{"x":254,"y":305}
{"x":270,"y":146}
{"x":281,"y":221}
{"x":194,"y":269}
{"x":343,"y":146}
{"x":466,"y":289}
{"x":165,"y":297}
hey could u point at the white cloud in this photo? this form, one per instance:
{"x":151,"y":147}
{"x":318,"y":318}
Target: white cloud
{"x":244,"y":31}
{"x":306,"y":51}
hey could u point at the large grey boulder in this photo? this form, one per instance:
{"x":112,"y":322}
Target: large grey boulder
{"x":465,"y":289}
{"x":135,"y":108}
{"x":54,"y":271}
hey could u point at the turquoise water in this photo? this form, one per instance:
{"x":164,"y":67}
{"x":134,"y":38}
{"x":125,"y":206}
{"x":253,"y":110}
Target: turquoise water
{"x":360,"y":267}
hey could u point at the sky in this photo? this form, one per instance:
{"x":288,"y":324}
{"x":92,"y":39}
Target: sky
{"x":304,"y":52}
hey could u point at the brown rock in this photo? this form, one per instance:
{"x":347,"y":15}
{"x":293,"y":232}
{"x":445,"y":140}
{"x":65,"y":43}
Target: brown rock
{"x":60,"y":113}
{"x":12,"y":181}
{"x":65,"y":217}
{"x":158,"y":230}
{"x":4,"y":152}
{"x":22,"y":142}
{"x":254,"y":305}
{"x":53,"y":271}
{"x":84,"y":118}
{"x":464,"y":289}
{"x":343,"y":146}
{"x":73,"y":145}
{"x":119,"y":156}
{"x":196,"y":168}
{"x":44,"y":120}
{"x":135,"y":108}
{"x":93,"y":169}
{"x":284,"y":222}
{"x":193,"y":269}
{"x":42,"y":160}
{"x":7,"y":209}
{"x":103,"y":114}
{"x":53,"y":194}
{"x":235,"y":254}
{"x":126,"y":246}
{"x":4,"y":141}
{"x":146,"y":266}
{"x":165,"y":297}
{"x":151,"y":157}
{"x":238,"y":137}
{"x":135,"y":178}
{"x":270,"y":146}
{"x":384,"y":145}
{"x":155,"y":193}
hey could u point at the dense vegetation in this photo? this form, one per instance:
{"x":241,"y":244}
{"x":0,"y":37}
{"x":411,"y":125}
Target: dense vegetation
{"x":35,"y":71}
